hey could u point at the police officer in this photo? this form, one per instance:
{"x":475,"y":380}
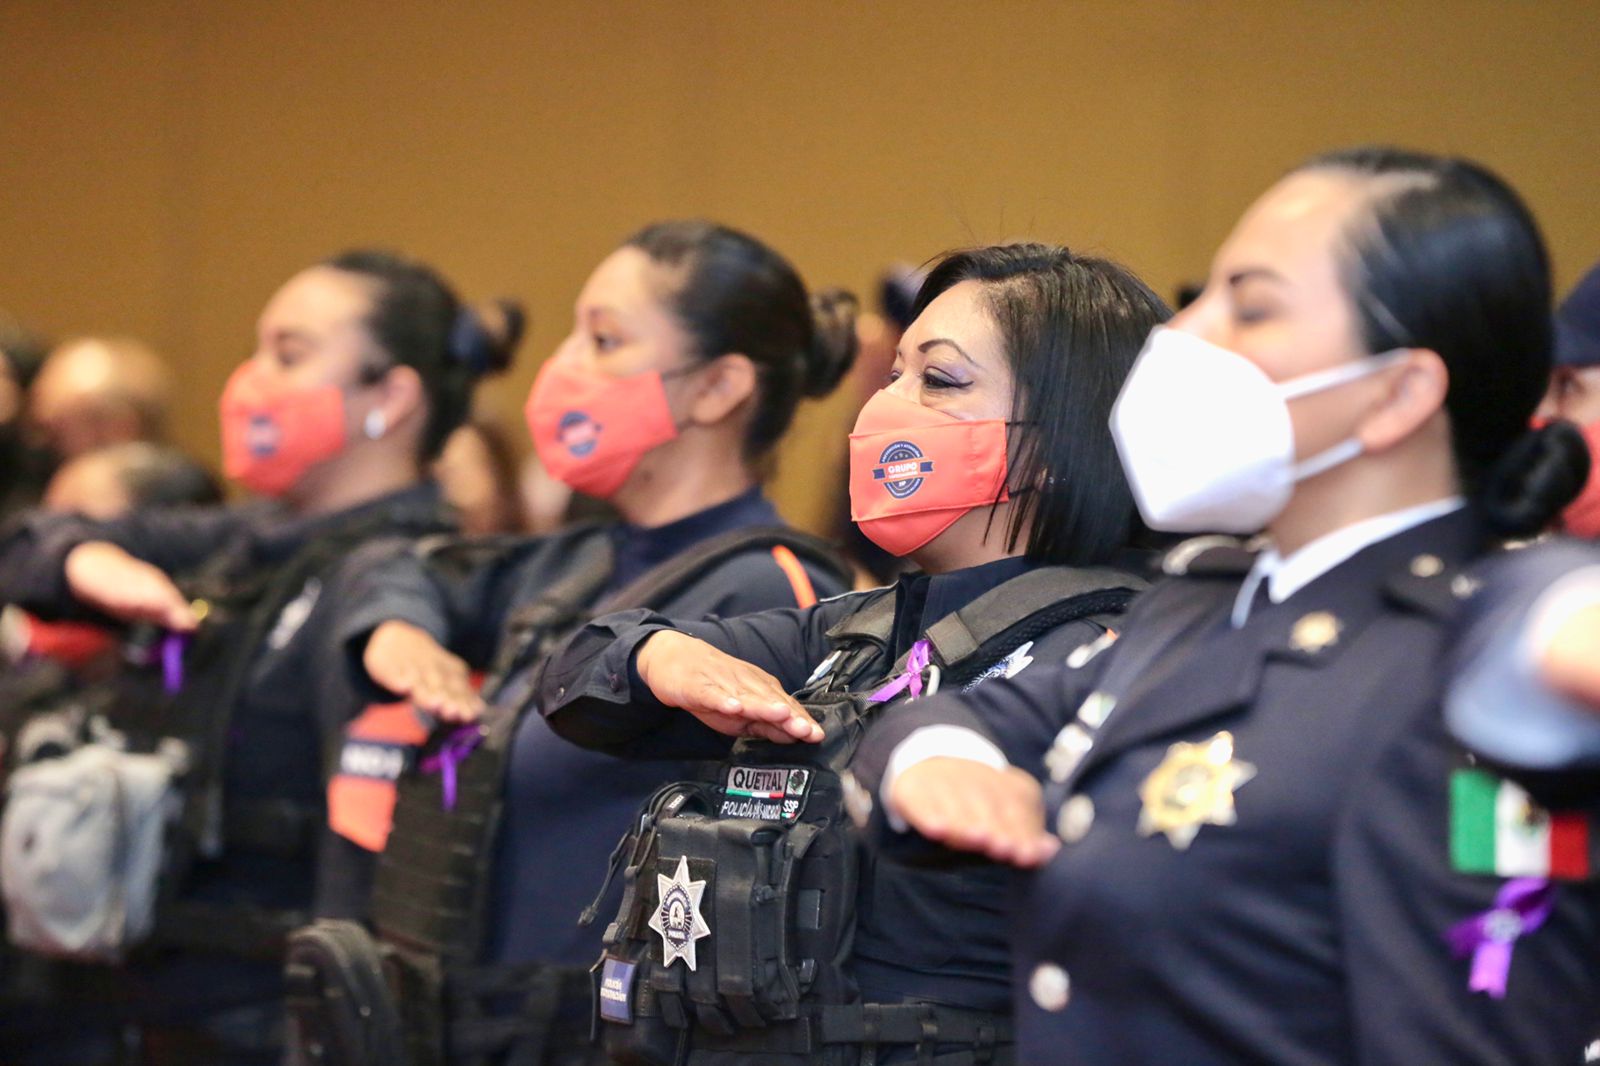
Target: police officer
{"x":692,"y":347}
{"x":363,"y":365}
{"x":1257,"y":843}
{"x":984,"y":459}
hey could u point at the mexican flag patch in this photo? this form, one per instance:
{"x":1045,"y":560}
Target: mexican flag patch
{"x":1496,"y":829}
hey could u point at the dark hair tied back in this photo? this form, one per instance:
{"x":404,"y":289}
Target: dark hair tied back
{"x":417,"y":320}
{"x":484,"y":340}
{"x":834,"y":341}
{"x":1542,"y":472}
{"x":734,"y":294}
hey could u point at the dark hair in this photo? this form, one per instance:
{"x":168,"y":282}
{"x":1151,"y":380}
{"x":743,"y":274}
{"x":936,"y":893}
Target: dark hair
{"x":1448,"y":257}
{"x":735,"y":294}
{"x":23,"y":349}
{"x":159,"y":475}
{"x":1071,"y":326}
{"x":418,"y":321}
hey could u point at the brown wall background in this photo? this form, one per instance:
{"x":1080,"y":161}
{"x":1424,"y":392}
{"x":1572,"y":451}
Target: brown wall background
{"x":165,"y":164}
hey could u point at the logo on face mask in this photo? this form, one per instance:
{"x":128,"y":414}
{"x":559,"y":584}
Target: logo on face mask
{"x":903,"y":469}
{"x":263,"y":436}
{"x":578,"y":433}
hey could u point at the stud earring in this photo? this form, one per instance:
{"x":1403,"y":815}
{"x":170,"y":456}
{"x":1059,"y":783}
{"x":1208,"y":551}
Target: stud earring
{"x":376,"y":425}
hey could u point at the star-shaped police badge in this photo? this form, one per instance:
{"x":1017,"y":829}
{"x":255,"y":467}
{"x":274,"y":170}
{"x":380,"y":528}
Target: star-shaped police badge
{"x":1193,"y":786}
{"x":677,"y":917}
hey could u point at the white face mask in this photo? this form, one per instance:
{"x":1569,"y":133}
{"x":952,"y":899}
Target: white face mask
{"x":1205,"y":436}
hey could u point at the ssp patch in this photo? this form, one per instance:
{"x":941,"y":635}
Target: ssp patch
{"x":765,"y":793}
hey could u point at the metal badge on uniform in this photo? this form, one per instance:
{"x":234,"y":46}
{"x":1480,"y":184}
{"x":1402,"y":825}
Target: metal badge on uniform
{"x":677,"y":916}
{"x":1315,"y":631}
{"x":616,"y":990}
{"x":1081,"y":656}
{"x":765,"y":793}
{"x":1012,"y":665}
{"x":1193,"y":786}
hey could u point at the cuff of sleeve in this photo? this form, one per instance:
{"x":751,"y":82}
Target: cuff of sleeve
{"x":932,"y":742}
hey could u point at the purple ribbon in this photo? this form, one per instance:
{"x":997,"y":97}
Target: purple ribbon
{"x":173,"y":646}
{"x":1520,"y":907}
{"x":910,"y":677}
{"x":456,"y":747}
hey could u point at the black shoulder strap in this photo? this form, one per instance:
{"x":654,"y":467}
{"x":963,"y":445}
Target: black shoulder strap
{"x":973,"y":638}
{"x":661,"y":584}
{"x":562,"y":603}
{"x":205,"y":817}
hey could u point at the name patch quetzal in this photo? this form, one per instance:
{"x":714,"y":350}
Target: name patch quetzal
{"x":765,"y":793}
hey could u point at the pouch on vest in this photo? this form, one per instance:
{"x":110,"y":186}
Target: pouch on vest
{"x":733,"y":941}
{"x":81,"y":848}
{"x":339,"y":1004}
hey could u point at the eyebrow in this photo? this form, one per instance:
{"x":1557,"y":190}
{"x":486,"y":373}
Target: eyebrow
{"x":936,"y":341}
{"x":1239,"y":277}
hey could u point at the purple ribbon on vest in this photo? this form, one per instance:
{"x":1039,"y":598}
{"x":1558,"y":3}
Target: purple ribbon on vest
{"x":456,"y":747}
{"x":910,"y":677}
{"x":173,"y":646}
{"x":1520,"y":907}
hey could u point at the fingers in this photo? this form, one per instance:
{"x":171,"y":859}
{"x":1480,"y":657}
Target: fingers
{"x":972,"y":807}
{"x":407,"y":661}
{"x":728,"y":694}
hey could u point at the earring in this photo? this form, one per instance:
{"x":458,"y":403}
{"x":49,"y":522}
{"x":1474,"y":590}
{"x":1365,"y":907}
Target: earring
{"x":376,"y":425}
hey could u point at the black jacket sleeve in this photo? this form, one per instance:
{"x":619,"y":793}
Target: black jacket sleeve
{"x":590,"y":694}
{"x":34,"y":550}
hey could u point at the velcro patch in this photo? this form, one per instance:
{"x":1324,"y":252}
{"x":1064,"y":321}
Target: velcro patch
{"x":765,"y":793}
{"x":616,"y":991}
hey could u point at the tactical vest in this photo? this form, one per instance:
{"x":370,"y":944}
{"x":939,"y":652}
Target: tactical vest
{"x":431,"y":894}
{"x":191,"y":726}
{"x":734,"y":939}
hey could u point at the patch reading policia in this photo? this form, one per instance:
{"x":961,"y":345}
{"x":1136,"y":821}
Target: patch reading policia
{"x":765,"y":793}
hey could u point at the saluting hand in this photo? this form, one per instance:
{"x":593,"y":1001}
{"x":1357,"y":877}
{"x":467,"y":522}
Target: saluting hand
{"x":969,"y":806}
{"x":727,"y":694}
{"x":103,"y":576}
{"x":407,"y":661}
{"x":1570,"y":662}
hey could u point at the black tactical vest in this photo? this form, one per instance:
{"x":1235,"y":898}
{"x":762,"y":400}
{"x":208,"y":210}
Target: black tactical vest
{"x":733,"y":942}
{"x":431,"y":895}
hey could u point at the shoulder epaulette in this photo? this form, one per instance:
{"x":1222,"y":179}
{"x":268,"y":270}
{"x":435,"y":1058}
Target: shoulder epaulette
{"x":1209,"y":556}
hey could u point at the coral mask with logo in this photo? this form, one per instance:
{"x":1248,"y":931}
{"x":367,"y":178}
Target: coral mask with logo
{"x":915,"y":471}
{"x":591,"y":429}
{"x":271,"y":435}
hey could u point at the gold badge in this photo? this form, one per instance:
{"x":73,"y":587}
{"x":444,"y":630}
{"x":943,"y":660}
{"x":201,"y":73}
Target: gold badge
{"x":1193,"y":786}
{"x":1315,"y":631}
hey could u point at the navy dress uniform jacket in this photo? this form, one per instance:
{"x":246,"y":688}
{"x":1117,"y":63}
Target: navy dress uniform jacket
{"x":1312,"y":929}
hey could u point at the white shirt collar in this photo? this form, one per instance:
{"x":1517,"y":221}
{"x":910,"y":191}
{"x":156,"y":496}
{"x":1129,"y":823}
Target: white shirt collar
{"x":1286,"y":576}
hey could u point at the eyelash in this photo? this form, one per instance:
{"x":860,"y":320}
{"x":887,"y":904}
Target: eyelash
{"x":605,"y":342}
{"x":937,"y":381}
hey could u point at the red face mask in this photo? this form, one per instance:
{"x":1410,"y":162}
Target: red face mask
{"x":591,"y":429}
{"x":1582,"y":516}
{"x":914,"y":471}
{"x":272,"y":435}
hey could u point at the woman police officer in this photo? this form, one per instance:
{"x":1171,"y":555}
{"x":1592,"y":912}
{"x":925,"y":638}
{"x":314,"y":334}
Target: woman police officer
{"x":986,"y":460}
{"x":1266,"y":847}
{"x":363,"y":365}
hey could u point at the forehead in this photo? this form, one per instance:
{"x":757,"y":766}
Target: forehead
{"x":960,"y":313}
{"x":626,"y":280}
{"x":320,"y":294}
{"x":1295,"y":228}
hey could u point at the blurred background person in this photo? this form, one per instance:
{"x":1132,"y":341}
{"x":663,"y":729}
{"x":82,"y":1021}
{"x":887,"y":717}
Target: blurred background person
{"x":477,"y":473}
{"x":95,"y":391}
{"x":1575,"y":394}
{"x":24,"y":467}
